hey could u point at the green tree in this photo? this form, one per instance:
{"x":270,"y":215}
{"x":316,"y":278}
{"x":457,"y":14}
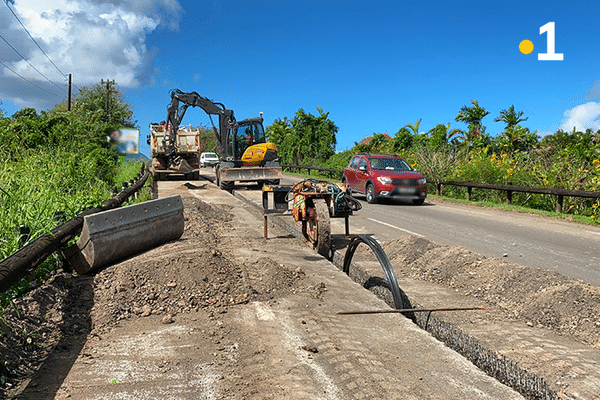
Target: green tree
{"x":510,"y":117}
{"x":306,"y":138}
{"x":280,"y":129}
{"x":472,"y":116}
{"x":89,"y":105}
{"x":378,"y":141}
{"x":518,"y":138}
{"x":441,"y":136}
{"x":514,"y":136}
{"x":403,"y":140}
{"x":415,"y":127}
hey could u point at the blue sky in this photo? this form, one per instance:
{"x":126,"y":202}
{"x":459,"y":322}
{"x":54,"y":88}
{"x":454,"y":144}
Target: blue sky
{"x":374,"y":66}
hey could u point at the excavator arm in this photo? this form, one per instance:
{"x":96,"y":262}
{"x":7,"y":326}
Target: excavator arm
{"x":175,"y":114}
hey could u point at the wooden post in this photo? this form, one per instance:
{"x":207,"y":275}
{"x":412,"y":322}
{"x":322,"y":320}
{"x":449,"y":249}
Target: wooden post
{"x":69,"y":95}
{"x":438,"y":189}
{"x":559,"y":204}
{"x":469,"y":189}
{"x":509,"y":195}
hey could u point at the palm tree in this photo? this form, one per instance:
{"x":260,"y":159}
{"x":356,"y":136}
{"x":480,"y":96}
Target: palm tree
{"x":415,"y":127}
{"x":510,"y":117}
{"x":472,"y":116}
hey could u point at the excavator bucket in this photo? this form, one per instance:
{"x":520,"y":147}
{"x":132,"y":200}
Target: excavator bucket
{"x":180,"y":165}
{"x":245,"y":174}
{"x":110,"y":236}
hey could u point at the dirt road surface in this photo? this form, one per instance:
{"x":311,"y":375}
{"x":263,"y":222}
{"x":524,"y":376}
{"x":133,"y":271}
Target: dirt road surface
{"x":224,"y":314}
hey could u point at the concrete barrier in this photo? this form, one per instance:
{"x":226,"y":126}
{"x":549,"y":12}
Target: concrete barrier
{"x":110,"y":236}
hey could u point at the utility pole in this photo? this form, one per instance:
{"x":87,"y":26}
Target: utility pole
{"x":108,"y":83}
{"x":69,"y":99}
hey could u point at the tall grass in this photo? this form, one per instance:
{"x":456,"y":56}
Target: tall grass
{"x":37,"y":187}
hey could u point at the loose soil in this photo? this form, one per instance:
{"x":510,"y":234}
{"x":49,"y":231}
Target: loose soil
{"x":65,"y":313}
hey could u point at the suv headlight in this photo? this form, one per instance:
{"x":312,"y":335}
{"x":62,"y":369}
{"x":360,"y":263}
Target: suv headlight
{"x":384,"y":179}
{"x":422,"y":181}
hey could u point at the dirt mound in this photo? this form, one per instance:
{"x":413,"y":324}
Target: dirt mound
{"x":537,"y":296}
{"x":166,"y":281}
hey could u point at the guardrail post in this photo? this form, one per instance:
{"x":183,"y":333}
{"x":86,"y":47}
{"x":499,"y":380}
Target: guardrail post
{"x":469,"y":189}
{"x":509,"y":194}
{"x":438,"y":189}
{"x":559,"y":204}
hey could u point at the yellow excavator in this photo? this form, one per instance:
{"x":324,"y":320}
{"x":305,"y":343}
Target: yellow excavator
{"x":245,"y":154}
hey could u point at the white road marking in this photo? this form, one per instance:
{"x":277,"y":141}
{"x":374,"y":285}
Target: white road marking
{"x":265,"y":313}
{"x":396,"y":227}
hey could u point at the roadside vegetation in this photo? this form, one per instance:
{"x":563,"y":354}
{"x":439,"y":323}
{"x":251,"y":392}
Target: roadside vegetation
{"x":518,"y":156}
{"x":55,"y":165}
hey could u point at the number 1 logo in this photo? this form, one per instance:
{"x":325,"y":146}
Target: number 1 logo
{"x":526,"y":46}
{"x":549,"y":55}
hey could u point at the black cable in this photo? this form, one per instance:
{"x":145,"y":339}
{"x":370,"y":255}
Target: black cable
{"x":27,"y":80}
{"x":34,"y":41}
{"x":15,"y":50}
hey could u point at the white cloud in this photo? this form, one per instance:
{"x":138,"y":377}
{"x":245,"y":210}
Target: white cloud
{"x":90,"y":39}
{"x":582,"y":117}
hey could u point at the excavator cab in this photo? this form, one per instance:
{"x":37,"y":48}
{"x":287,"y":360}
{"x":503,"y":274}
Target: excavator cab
{"x":251,"y":144}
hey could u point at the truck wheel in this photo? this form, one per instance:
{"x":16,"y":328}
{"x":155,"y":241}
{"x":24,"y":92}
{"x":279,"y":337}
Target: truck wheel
{"x":226,"y":185}
{"x":370,"y":194}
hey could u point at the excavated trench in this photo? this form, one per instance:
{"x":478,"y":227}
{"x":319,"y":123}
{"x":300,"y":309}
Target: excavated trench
{"x":487,"y":359}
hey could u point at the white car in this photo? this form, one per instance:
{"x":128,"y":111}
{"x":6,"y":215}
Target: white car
{"x":208,"y":160}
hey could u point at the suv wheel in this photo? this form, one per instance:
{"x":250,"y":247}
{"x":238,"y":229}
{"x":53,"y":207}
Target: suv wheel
{"x":370,"y":194}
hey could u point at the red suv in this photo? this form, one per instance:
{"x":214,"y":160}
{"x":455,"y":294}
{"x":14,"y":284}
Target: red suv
{"x":384,"y":176}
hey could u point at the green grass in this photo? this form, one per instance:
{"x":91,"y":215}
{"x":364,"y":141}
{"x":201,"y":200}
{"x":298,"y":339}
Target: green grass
{"x":40,"y":184}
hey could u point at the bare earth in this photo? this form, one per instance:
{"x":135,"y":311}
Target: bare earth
{"x":198,"y":288}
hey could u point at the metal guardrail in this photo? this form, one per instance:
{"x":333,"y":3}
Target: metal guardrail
{"x":560,"y":193}
{"x":330,"y":171}
{"x":27,"y":258}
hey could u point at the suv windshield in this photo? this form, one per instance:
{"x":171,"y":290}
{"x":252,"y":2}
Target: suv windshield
{"x":389,"y":164}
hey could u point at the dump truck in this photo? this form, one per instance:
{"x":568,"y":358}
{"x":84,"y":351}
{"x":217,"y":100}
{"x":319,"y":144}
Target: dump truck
{"x":188,"y":148}
{"x":245,"y":154}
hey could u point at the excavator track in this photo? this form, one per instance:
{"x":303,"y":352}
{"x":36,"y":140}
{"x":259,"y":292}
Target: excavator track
{"x":317,"y":229}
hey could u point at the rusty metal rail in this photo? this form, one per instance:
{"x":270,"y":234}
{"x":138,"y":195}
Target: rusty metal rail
{"x":19,"y":264}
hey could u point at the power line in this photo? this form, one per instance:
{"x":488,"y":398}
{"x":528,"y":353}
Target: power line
{"x":34,"y":41}
{"x":11,"y":46}
{"x":27,"y":80}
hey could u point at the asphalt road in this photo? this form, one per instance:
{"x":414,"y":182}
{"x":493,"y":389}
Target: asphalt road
{"x":569,"y":248}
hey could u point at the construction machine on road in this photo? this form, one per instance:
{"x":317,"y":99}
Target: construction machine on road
{"x":245,"y":154}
